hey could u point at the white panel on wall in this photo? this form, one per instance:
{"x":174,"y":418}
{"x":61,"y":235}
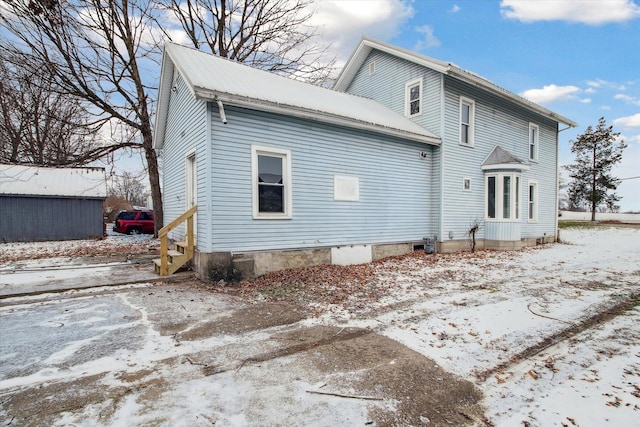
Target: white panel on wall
{"x":349,"y":255}
{"x":346,"y":188}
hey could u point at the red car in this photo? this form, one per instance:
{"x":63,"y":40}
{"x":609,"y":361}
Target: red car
{"x":134,"y":222}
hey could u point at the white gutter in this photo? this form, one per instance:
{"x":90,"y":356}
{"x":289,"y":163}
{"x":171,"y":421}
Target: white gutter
{"x":503,"y":93}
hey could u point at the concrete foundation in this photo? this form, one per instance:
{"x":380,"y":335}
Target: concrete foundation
{"x":228,"y":266}
{"x":387,"y":250}
{"x":265,"y":262}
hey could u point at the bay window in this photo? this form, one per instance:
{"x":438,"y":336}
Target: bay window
{"x":502,"y":196}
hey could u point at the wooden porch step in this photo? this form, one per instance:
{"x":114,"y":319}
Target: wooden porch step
{"x":182,"y":246}
{"x":173,"y":265}
{"x":175,"y":254}
{"x":182,"y":252}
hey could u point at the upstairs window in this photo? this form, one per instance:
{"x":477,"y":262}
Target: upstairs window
{"x":534,"y":135}
{"x":271,"y":170}
{"x":502,"y":196}
{"x":372,"y":67}
{"x":413,"y":98}
{"x":467,"y":118}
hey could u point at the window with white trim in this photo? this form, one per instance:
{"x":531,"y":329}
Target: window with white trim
{"x":271,"y":182}
{"x":534,"y":136}
{"x":372,"y":67}
{"x":467,"y":118}
{"x":502,"y":195}
{"x":533,"y":201}
{"x":413,"y":98}
{"x":466,"y":184}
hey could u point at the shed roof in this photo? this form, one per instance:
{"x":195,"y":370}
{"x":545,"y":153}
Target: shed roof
{"x":367,"y":45}
{"x":53,"y":182}
{"x":213,"y":78}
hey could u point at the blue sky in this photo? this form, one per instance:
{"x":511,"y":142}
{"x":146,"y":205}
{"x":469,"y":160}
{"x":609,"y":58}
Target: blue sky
{"x":579,"y":58}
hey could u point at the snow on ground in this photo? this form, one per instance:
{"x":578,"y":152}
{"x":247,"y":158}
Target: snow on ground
{"x":113,"y":243}
{"x":473,"y":314}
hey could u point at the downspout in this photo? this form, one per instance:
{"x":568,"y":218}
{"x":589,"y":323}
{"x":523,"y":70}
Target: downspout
{"x":223,"y":116}
{"x":441,"y":177}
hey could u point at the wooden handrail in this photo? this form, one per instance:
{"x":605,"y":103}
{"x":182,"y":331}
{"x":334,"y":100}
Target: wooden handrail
{"x":176,"y":222}
{"x":164,"y":239}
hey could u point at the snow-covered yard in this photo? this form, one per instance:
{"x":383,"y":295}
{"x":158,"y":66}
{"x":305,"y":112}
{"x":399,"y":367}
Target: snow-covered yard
{"x":549,"y":335}
{"x":495,"y":308}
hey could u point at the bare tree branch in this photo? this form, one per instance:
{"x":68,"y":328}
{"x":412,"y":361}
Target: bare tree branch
{"x":266,"y":34}
{"x":96,"y":50}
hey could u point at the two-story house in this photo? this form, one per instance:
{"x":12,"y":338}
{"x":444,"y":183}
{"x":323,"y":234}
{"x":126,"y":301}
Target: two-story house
{"x":286,"y":174}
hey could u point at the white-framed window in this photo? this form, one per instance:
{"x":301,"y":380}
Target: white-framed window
{"x":533,"y":201}
{"x":372,"y":67}
{"x":271,"y":182}
{"x":502,"y":196}
{"x":467,"y":121}
{"x":413,"y":98}
{"x":466,"y":184}
{"x":534,"y":137}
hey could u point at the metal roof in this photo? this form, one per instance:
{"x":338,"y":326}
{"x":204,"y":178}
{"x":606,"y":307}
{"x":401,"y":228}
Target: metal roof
{"x":82,"y":182}
{"x":212,"y":78}
{"x":500,"y":158}
{"x":367,"y":45}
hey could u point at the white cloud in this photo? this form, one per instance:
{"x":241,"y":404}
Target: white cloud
{"x":630,"y":139}
{"x":343,"y":22}
{"x":599,"y":83}
{"x":586,"y":100}
{"x":455,"y":9}
{"x":589,"y":90}
{"x":551,"y":93}
{"x":628,"y":99}
{"x":634,"y":138}
{"x":592,"y":12}
{"x":428,"y":41}
{"x":629,"y":121}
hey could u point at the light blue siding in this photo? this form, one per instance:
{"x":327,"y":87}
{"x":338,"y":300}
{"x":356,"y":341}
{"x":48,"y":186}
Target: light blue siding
{"x":496,"y":123}
{"x":394,"y":185}
{"x":387,"y":86}
{"x":504,"y":231}
{"x":186,"y":132}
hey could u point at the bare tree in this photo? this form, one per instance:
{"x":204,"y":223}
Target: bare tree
{"x":130,"y":188}
{"x":96,"y":50}
{"x":266,"y":34}
{"x":38,"y":125}
{"x":106,"y":52}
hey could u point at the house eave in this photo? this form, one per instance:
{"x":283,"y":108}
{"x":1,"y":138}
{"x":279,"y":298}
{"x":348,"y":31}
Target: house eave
{"x":503,"y":93}
{"x":506,"y":166}
{"x":321,"y":116}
